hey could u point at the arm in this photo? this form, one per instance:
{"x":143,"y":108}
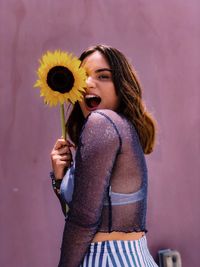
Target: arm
{"x":61,"y":159}
{"x":56,"y":184}
{"x":98,"y":148}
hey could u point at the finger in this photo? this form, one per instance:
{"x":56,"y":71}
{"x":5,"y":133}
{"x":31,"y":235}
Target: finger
{"x":58,"y":159}
{"x":70,"y":144}
{"x":60,"y":143}
{"x":64,"y":150}
{"x":67,"y":157}
{"x":62,"y":164}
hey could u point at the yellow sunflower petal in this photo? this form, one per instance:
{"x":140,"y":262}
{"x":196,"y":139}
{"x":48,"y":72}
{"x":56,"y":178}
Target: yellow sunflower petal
{"x":56,"y":59}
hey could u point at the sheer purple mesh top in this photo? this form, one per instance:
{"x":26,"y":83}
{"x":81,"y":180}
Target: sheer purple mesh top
{"x":110,"y":184}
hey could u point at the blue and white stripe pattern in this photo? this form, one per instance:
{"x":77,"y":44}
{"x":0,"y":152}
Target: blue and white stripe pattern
{"x":119,"y":254}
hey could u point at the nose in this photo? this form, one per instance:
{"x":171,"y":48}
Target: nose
{"x":90,"y":83}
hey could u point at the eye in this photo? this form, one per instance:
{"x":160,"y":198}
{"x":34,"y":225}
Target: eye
{"x":104,"y":77}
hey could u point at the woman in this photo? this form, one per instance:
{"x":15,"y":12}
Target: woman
{"x":111,"y":131}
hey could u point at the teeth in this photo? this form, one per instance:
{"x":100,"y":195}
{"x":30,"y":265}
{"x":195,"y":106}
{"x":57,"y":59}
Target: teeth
{"x":90,"y":96}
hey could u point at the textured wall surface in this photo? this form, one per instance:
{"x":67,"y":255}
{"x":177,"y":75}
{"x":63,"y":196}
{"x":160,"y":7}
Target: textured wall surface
{"x":162,"y":40}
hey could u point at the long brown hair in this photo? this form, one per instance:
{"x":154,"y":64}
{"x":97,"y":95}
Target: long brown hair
{"x":129,"y":90}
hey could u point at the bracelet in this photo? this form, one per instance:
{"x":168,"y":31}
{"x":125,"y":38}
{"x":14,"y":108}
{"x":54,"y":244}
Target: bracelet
{"x":55,"y":182}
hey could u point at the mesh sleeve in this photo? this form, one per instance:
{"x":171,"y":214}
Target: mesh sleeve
{"x":98,"y":147}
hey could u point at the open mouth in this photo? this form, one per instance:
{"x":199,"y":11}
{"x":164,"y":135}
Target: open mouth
{"x":92,"y":101}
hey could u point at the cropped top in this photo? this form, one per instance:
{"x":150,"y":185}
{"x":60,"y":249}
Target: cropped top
{"x":110,"y":184}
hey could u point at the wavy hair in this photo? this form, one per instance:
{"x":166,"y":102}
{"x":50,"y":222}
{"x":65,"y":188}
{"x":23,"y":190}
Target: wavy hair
{"x":129,"y":90}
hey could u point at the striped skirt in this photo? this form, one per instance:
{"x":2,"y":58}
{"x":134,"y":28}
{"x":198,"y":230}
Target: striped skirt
{"x":119,"y":254}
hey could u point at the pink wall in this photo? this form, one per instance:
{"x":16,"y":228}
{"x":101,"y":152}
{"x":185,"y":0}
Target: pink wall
{"x":162,"y":39}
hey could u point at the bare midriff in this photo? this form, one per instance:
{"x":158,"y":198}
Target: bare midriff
{"x":99,"y":236}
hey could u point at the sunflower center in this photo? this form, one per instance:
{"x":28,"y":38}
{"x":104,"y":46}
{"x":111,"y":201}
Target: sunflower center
{"x":60,"y":79}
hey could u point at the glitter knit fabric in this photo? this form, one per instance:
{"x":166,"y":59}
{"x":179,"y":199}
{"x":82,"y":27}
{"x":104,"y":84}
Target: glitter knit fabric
{"x":109,"y":156}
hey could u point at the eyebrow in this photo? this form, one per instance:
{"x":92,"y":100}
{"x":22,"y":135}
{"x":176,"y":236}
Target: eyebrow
{"x":104,"y":69}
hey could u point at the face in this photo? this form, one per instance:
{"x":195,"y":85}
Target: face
{"x":100,"y":91}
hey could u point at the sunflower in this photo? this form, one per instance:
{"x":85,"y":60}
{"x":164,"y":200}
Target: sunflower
{"x":61,"y":78}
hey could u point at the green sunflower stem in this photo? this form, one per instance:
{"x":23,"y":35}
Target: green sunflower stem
{"x":62,"y":116}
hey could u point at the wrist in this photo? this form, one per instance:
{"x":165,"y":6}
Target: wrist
{"x":56,"y":183}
